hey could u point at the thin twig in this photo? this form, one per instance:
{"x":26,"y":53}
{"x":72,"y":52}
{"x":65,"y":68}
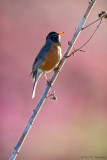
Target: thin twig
{"x":79,"y":49}
{"x":91,"y":23}
{"x":101,"y":15}
{"x":91,"y":35}
{"x":54,"y":76}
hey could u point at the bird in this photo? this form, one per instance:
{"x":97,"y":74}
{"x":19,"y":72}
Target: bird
{"x":48,"y":57}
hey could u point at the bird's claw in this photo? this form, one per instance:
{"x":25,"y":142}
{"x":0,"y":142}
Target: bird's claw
{"x":49,"y":83}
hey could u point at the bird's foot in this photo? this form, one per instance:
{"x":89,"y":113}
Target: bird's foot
{"x":49,"y":83}
{"x":57,"y":69}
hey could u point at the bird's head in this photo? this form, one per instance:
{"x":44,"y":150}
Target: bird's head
{"x":54,"y":36}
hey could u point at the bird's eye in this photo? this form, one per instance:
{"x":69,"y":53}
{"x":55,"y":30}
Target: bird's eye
{"x":55,"y":36}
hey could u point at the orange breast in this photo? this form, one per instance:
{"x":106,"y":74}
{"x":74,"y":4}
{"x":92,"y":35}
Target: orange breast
{"x":53,"y":57}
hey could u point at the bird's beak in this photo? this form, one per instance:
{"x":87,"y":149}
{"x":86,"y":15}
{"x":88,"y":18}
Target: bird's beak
{"x":60,"y":33}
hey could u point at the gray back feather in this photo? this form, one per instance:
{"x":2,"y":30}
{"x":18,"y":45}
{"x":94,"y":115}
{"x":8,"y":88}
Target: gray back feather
{"x":41,"y":56}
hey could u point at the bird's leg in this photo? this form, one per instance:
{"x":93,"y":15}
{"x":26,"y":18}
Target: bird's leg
{"x":48,"y":82}
{"x":45,"y":77}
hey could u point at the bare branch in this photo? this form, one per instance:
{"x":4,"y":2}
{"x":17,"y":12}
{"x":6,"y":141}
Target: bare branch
{"x":54,"y":76}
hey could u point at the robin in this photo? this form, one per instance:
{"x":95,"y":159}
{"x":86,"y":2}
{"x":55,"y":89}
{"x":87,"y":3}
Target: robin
{"x":48,"y":58}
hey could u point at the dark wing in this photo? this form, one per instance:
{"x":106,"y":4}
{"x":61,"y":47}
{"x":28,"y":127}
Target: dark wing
{"x":40,"y":57}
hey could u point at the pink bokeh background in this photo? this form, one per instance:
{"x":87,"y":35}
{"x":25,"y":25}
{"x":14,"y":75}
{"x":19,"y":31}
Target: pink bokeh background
{"x":75,"y":125}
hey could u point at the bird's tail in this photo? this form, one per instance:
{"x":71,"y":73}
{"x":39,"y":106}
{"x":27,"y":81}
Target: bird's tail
{"x":35,"y":79}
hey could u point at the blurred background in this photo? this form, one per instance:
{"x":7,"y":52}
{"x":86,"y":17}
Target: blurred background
{"x":75,"y":125}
